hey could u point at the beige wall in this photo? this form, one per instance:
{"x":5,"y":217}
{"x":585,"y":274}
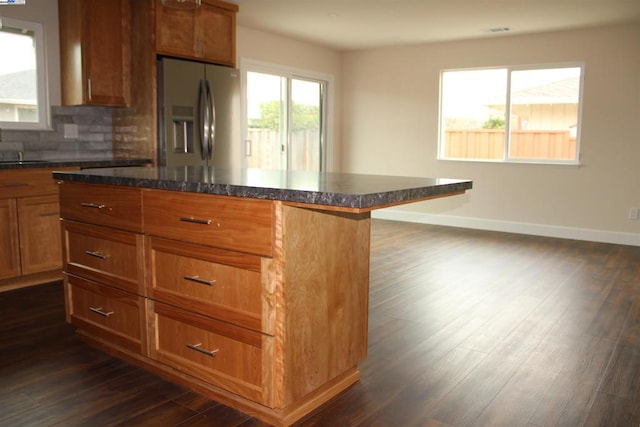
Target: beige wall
{"x":390,"y":106}
{"x":44,"y":12}
{"x":260,"y":46}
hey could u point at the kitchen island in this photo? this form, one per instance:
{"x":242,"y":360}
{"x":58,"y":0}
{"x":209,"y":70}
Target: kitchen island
{"x":248,"y":286}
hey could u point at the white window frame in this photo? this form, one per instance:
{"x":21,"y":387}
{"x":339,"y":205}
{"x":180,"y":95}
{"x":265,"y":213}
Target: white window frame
{"x":41,"y":76}
{"x":251,"y":65}
{"x":506,"y":158}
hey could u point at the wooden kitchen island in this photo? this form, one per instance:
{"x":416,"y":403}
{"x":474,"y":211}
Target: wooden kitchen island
{"x":248,"y":286}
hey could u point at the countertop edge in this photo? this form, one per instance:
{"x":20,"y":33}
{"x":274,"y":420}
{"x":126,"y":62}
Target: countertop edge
{"x":335,"y":199}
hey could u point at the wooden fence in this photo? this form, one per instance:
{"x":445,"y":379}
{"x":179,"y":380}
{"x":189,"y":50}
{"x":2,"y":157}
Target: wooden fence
{"x":266,"y":150}
{"x":489,"y":144}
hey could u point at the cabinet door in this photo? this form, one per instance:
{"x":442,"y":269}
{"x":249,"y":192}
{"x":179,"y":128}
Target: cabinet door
{"x":39,"y":225}
{"x":9,"y":255}
{"x":217,"y":39}
{"x":95,"y":52}
{"x":175,"y":31}
{"x":206,"y":33}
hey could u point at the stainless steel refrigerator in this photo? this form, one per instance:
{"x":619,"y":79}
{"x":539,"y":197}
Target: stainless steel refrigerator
{"x":198,"y":114}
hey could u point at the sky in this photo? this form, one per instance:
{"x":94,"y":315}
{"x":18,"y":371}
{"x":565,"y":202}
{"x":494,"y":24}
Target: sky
{"x":16,"y":53}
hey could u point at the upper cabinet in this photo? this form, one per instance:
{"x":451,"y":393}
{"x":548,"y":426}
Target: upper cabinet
{"x":95,"y":52}
{"x":207,"y":33}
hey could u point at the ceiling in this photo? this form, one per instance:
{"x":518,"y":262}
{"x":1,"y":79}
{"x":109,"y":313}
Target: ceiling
{"x":361,"y":24}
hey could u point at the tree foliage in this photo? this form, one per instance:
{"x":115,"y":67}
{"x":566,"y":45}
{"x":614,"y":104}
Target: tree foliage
{"x":494,"y":122}
{"x":305,"y":116}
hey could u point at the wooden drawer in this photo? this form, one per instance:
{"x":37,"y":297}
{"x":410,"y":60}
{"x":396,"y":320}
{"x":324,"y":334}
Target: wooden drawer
{"x":27,"y":182}
{"x":105,"y":255}
{"x":224,"y":355}
{"x":214,"y":282}
{"x":106,"y":312}
{"x":109,"y":206}
{"x":225,"y":222}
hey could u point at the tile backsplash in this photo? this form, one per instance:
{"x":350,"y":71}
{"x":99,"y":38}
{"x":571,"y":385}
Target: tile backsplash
{"x":92,"y":142}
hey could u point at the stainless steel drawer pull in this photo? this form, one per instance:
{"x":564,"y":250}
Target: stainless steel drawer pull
{"x":96,"y":254}
{"x":197,"y":347}
{"x":98,"y":310}
{"x":92,"y":205}
{"x":199,"y":280}
{"x":195,"y":220}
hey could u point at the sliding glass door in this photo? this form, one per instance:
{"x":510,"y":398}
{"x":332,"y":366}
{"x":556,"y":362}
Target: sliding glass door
{"x":285,"y":123}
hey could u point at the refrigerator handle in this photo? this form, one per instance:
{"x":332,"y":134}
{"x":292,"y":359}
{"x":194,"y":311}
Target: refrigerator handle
{"x":203,"y":117}
{"x":212,"y":121}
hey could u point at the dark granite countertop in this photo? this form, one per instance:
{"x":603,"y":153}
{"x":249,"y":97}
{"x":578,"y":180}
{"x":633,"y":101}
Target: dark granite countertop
{"x":52,"y":164}
{"x":354,"y":191}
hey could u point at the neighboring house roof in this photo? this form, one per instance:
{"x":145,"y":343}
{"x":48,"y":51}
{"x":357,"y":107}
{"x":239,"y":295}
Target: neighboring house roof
{"x":20,"y":85}
{"x":558,"y":92}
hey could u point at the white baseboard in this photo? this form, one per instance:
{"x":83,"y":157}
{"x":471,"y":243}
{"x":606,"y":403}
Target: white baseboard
{"x":632,"y":239}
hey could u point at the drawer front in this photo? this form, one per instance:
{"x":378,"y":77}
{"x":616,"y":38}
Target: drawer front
{"x":219,"y":221}
{"x":109,"y":206}
{"x":106,"y":312}
{"x":27,"y":182}
{"x":104,"y":255}
{"x":216,"y":283}
{"x":221,"y":354}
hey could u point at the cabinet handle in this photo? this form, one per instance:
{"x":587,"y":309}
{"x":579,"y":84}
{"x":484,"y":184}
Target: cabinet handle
{"x":195,"y":220}
{"x":15,"y":184}
{"x":199,"y":280}
{"x":96,"y":254}
{"x":92,"y":205}
{"x":50,"y":214}
{"x":98,"y":310}
{"x":89,"y":89}
{"x":197,"y":347}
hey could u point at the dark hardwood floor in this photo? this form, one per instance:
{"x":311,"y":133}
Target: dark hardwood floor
{"x":466,"y":328}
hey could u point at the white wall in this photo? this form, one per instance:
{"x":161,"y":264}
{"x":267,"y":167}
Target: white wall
{"x":44,"y":12}
{"x":390,"y":121}
{"x":265,"y":47}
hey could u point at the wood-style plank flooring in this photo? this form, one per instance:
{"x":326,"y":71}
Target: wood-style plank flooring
{"x":466,"y":328}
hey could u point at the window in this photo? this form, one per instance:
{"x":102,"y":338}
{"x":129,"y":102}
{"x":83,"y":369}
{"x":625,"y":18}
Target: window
{"x":23,"y":103}
{"x":511,"y":114}
{"x":285,"y":118}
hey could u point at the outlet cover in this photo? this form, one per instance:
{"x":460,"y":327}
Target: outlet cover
{"x":633,"y":213}
{"x":70,"y":131}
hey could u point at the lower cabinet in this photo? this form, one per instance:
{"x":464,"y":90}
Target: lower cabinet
{"x":272,"y":323}
{"x":225,"y":355}
{"x":39,"y":227}
{"x":30,"y":240}
{"x":108,"y":313}
{"x":9,"y":246}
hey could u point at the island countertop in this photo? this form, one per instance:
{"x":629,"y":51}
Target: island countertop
{"x":356,"y":192}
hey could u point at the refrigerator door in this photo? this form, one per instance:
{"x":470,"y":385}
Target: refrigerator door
{"x":224,"y":84}
{"x":179,"y":112}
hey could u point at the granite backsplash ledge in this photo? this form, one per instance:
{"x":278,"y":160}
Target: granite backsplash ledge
{"x":93,"y":140}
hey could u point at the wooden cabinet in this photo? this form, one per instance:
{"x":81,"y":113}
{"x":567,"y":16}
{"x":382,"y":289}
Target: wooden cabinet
{"x":39,"y":228}
{"x":106,"y":312}
{"x":255,"y":303}
{"x":30,"y":248}
{"x":207,"y":33}
{"x":95,"y":52}
{"x":9,"y":244}
{"x":104,"y":263}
